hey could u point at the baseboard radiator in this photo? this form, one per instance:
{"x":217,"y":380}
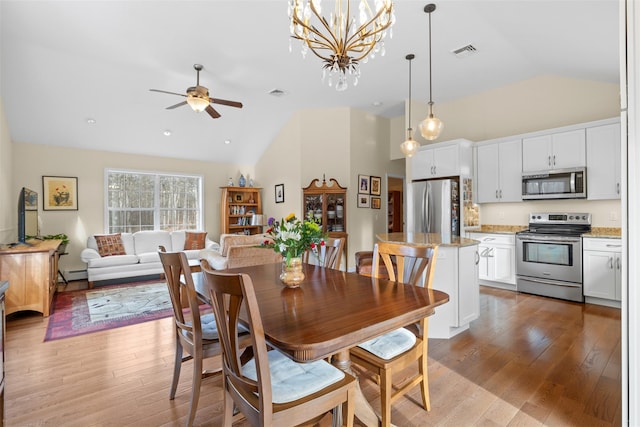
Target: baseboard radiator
{"x":75,"y":274}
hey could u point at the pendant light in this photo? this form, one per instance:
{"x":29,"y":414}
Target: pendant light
{"x":409,"y":147}
{"x":430,"y":127}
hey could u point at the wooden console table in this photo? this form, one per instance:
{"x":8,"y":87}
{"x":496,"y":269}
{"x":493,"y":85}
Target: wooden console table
{"x":32,"y":273}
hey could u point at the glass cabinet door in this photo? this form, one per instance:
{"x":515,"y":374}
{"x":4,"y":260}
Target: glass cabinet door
{"x":335,"y":212}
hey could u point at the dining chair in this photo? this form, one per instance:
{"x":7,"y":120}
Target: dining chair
{"x":394,"y":351}
{"x":196,"y":333}
{"x":269,"y":389}
{"x":330,"y":254}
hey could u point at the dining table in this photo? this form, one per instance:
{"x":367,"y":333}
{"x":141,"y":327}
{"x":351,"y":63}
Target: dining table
{"x":330,"y":312}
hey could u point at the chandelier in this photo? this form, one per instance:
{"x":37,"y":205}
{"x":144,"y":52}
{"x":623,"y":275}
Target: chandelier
{"x":338,"y":41}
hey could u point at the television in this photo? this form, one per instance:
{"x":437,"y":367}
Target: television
{"x":27,"y":215}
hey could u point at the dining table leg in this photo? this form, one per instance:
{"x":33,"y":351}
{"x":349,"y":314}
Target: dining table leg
{"x":363,"y":410}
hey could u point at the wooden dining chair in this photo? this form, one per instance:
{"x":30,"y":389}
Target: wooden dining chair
{"x":398,"y":349}
{"x":330,"y":255}
{"x":196,"y":333}
{"x":270,"y":389}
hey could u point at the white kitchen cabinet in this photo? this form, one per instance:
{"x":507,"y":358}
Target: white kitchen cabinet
{"x":602,"y":269}
{"x":451,"y":158}
{"x":603,"y":162}
{"x":456,"y":274}
{"x":497,"y":265}
{"x":554,"y":151}
{"x":499,"y":172}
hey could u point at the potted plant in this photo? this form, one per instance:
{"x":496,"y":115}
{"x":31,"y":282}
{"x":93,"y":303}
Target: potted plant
{"x":65,"y":241}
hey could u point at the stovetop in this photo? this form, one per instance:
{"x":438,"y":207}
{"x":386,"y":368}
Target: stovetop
{"x":566,"y":224}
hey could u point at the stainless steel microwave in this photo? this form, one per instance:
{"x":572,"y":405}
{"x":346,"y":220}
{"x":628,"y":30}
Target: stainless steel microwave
{"x":555,"y":184}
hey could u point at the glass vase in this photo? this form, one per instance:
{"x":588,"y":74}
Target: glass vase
{"x":292,"y":274}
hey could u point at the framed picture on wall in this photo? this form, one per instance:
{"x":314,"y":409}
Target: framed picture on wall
{"x":375,"y":202}
{"x":374,"y":185}
{"x":280,"y":193}
{"x":363,"y":201}
{"x":363,"y":184}
{"x":60,"y":193}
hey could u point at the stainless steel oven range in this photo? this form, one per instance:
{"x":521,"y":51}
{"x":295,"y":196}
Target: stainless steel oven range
{"x":549,"y":255}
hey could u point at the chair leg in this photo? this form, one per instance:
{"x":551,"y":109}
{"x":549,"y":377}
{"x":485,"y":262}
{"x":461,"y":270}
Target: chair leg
{"x":426,"y":401}
{"x":177,"y":364}
{"x":195,"y":388}
{"x":227,"y":418}
{"x":385,"y":397}
{"x":349,"y":415}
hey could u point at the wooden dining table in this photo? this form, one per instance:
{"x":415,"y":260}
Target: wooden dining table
{"x":331,"y":312}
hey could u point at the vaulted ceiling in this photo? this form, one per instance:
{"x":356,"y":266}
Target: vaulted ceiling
{"x":65,"y":62}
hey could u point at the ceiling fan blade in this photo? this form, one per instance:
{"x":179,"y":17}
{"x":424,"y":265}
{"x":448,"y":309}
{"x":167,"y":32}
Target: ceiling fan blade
{"x":179,"y":104}
{"x":225,"y":102}
{"x":165,"y":91}
{"x":212,"y":112}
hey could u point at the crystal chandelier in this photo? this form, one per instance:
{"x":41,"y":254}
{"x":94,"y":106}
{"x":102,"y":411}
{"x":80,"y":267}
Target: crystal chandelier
{"x":338,"y":41}
{"x":410,"y":146}
{"x":430,"y":127}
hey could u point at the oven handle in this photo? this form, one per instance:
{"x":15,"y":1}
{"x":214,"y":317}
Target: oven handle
{"x":551,"y":282}
{"x":547,"y":238}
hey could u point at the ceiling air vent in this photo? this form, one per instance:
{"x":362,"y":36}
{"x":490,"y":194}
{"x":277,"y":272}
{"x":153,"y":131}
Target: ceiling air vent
{"x":276,"y":92}
{"x":464,"y":51}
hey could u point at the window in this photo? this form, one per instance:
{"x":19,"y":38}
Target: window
{"x":138,"y":201}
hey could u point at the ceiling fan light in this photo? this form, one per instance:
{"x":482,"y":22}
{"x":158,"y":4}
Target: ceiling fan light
{"x":197,"y":104}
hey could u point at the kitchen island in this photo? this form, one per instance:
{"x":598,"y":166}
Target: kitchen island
{"x":456,"y":274}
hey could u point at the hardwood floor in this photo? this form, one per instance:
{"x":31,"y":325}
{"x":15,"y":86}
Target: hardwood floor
{"x":526,"y":361}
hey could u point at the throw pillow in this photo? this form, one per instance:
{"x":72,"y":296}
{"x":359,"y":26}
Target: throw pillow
{"x":110,"y":244}
{"x":194,"y":240}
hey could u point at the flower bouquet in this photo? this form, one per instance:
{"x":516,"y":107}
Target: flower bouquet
{"x":291,"y":237}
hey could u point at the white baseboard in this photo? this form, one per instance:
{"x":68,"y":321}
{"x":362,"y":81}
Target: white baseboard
{"x":75,"y":274}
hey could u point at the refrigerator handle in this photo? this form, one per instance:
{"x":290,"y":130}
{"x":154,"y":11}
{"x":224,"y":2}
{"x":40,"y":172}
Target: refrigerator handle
{"x":424,"y":214}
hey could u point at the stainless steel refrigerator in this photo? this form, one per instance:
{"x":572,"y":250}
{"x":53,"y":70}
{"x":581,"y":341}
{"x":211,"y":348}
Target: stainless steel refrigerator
{"x":436,"y":207}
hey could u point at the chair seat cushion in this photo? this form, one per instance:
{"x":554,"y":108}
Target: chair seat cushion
{"x":291,"y":380}
{"x":210,"y":327}
{"x":391,"y":344}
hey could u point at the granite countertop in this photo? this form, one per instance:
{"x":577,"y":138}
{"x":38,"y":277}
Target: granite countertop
{"x":499,"y":229}
{"x":605,"y":232}
{"x":426,"y":239}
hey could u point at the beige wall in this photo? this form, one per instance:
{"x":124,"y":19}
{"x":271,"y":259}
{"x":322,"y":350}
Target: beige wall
{"x":337,"y":143}
{"x":540,"y":103}
{"x":32,"y":161}
{"x":8,"y":196}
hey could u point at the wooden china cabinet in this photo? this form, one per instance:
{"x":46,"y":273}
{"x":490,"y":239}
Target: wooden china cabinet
{"x":328,"y":204}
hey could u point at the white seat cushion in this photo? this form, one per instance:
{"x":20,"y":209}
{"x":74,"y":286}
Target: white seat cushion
{"x":391,"y":344}
{"x":210,"y":327}
{"x":290,"y":380}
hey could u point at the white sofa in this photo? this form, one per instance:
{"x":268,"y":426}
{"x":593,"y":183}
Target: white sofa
{"x":141,"y":255}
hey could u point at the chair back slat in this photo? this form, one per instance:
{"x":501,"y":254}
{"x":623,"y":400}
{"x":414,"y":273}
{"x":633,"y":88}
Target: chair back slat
{"x":330,"y":254}
{"x":410,"y":262}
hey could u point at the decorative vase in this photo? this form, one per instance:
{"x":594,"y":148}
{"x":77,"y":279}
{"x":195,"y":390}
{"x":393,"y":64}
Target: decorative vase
{"x":292,"y":274}
{"x":243,"y":181}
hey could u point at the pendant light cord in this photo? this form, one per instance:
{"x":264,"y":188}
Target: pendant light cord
{"x":410,"y":57}
{"x":430,"y":73}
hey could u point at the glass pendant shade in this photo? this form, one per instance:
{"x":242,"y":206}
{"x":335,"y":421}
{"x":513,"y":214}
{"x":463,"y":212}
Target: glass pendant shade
{"x":431,"y":127}
{"x":409,"y":147}
{"x":197,"y":104}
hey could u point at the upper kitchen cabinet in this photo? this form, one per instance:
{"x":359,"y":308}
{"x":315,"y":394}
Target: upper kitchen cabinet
{"x":603,"y":162}
{"x":451,"y":158}
{"x":554,"y":151}
{"x":499,"y":172}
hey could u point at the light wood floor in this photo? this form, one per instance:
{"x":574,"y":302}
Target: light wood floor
{"x":527,"y":360}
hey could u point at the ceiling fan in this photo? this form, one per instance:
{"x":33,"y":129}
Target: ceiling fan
{"x":198,"y":97}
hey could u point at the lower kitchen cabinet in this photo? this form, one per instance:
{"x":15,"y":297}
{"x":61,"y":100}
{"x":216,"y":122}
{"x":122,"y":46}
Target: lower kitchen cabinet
{"x":457,"y":275}
{"x":497,"y":265}
{"x":602,"y":270}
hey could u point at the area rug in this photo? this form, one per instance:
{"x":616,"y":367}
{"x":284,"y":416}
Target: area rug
{"x":85,"y":311}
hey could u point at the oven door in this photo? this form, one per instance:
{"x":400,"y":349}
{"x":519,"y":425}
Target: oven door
{"x":551,"y":257}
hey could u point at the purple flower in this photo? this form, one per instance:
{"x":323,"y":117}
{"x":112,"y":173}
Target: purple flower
{"x":271,"y":221}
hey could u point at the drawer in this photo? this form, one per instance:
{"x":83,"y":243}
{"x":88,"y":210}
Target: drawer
{"x":493,"y":239}
{"x":596,"y":244}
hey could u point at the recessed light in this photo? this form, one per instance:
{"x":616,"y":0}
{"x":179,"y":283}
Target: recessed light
{"x":227,"y":141}
{"x":167,"y":132}
{"x":376,"y":103}
{"x":91,"y":121}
